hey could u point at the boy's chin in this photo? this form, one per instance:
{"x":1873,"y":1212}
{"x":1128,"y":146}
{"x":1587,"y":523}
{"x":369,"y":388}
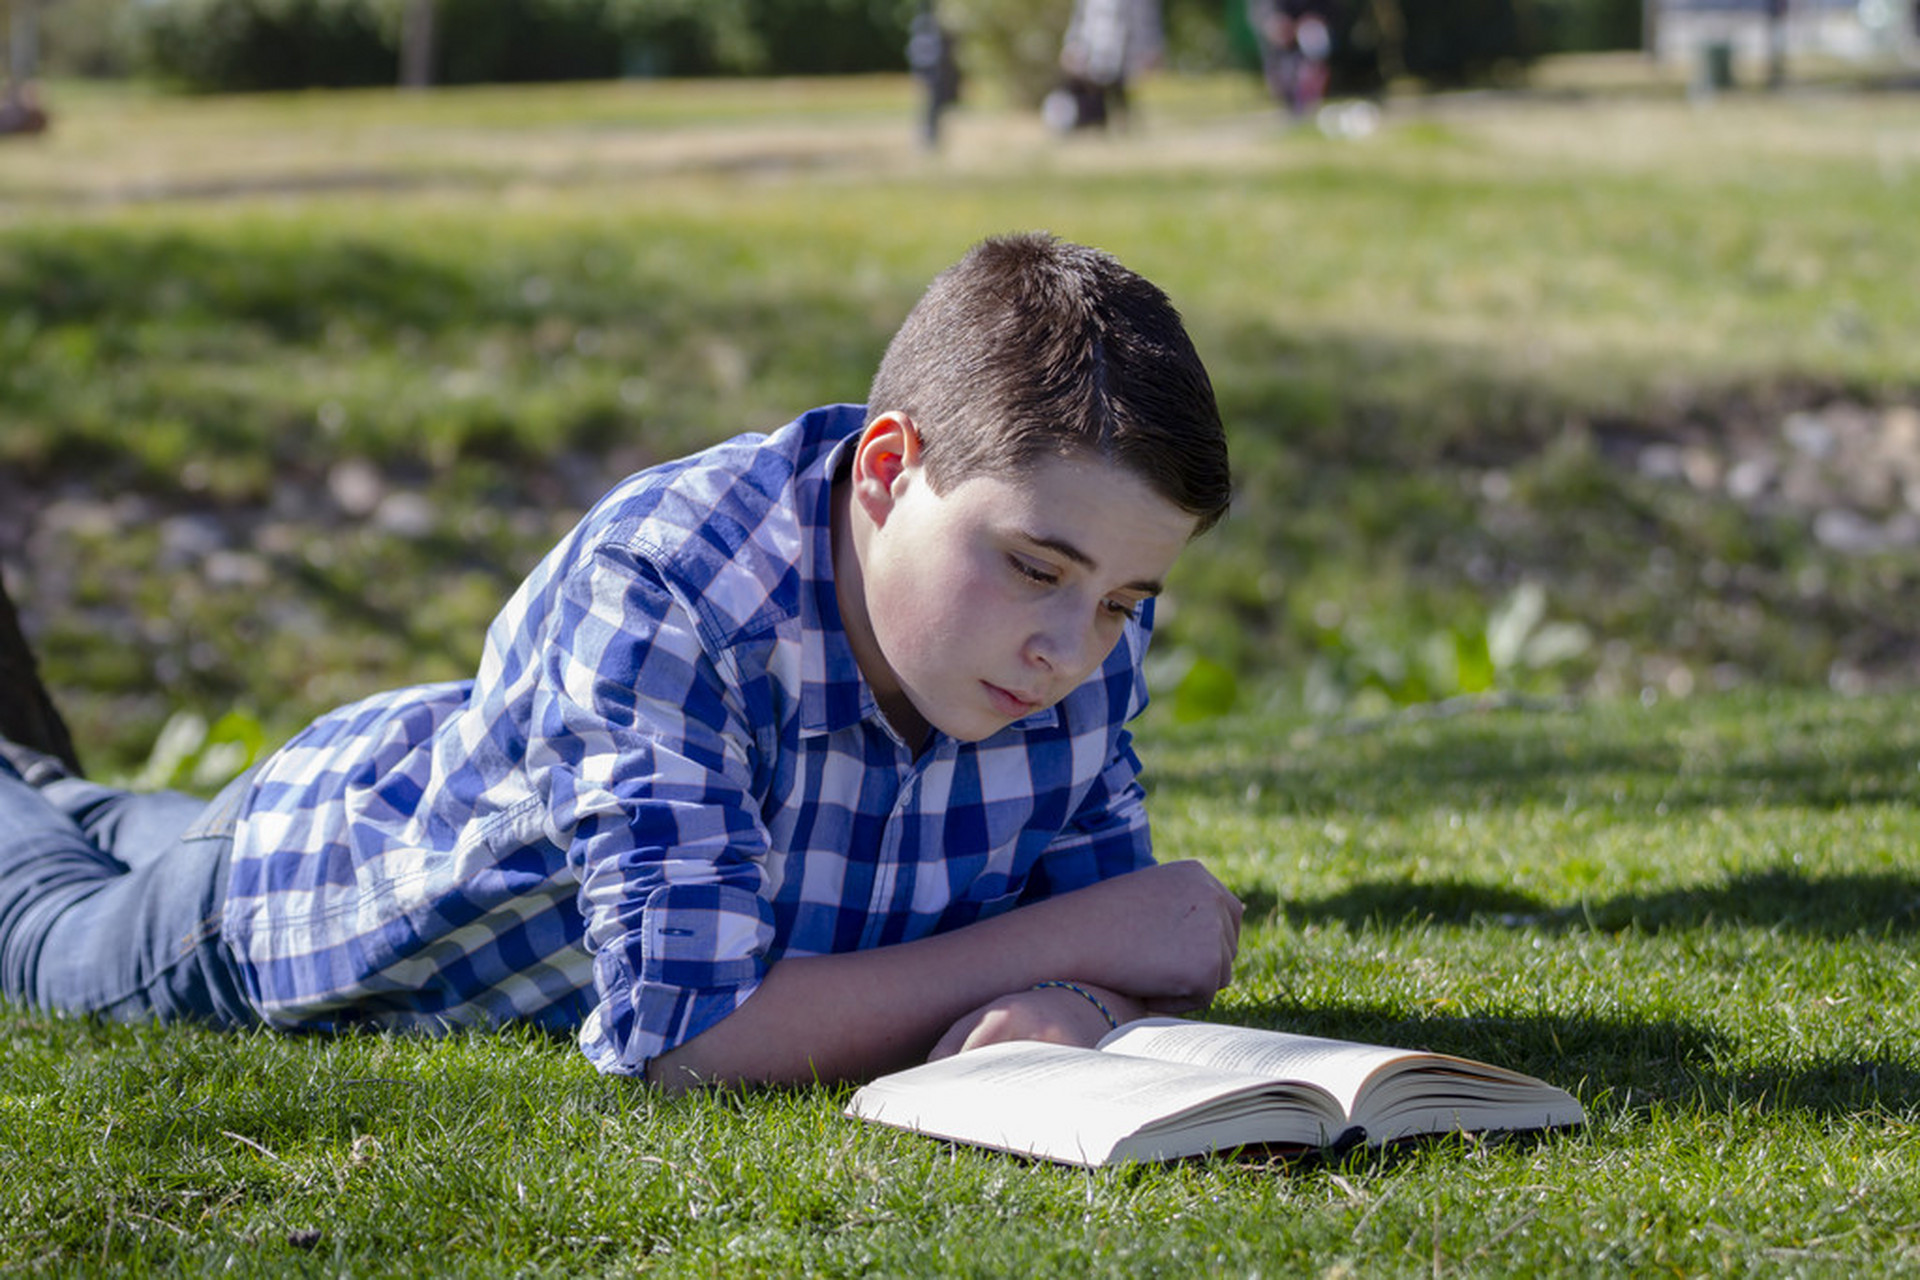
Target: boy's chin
{"x":964,"y":721}
{"x":962,"y":728}
{"x":964,"y":731}
{"x":976,"y":728}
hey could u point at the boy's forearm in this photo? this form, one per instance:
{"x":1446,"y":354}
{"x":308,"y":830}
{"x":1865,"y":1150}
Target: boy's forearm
{"x":857,"y":1014}
{"x":860,"y":1013}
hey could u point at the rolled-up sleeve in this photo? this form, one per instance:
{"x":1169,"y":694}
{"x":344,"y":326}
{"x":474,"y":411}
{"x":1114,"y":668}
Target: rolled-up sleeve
{"x":646,"y":758}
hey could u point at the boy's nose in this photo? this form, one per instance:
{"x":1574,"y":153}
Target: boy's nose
{"x":1061,"y":646}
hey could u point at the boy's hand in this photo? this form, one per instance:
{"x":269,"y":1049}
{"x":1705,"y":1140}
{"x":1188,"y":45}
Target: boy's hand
{"x":1056,"y":1015}
{"x":1166,"y":934}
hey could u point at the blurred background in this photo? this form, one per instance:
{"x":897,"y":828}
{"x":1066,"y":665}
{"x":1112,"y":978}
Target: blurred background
{"x":1566,"y":345}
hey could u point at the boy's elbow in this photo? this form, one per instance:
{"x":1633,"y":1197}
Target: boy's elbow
{"x":719,"y":1058}
{"x":671,"y":1074}
{"x":691,"y":1066}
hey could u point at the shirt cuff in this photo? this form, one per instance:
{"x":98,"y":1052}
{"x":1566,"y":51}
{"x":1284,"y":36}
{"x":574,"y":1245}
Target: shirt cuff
{"x":700,"y":951}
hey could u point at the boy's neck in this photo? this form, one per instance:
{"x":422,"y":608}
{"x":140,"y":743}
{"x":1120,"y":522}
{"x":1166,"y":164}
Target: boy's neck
{"x":849,"y":536}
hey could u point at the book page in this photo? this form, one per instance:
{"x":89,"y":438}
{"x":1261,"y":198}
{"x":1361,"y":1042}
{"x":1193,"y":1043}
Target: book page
{"x":1390,"y":1092}
{"x":1073,"y":1104}
{"x":1341,"y":1067}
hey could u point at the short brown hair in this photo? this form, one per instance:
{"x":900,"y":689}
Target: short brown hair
{"x":1031,"y":347}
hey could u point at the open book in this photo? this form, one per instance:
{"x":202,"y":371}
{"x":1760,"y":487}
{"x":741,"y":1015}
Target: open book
{"x":1163,"y":1088}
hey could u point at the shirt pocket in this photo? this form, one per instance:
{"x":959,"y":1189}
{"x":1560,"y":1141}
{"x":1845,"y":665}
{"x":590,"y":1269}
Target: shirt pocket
{"x":964,"y":911}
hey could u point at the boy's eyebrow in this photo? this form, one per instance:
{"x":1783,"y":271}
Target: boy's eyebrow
{"x":1067,"y":551}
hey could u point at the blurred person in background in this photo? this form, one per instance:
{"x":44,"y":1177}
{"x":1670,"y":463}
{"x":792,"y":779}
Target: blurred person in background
{"x":931,"y":55}
{"x":1296,"y":41}
{"x":1108,"y":42}
{"x":20,"y":110}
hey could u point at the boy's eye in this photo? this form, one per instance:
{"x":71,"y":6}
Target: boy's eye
{"x":1033,"y":572}
{"x":1040,"y":575}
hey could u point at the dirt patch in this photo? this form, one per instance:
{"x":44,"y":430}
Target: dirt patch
{"x":1849,"y":468}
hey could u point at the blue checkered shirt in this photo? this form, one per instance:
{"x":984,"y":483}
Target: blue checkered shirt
{"x":667,"y":774}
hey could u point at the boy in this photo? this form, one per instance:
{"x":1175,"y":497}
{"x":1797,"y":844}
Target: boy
{"x":800,"y":758}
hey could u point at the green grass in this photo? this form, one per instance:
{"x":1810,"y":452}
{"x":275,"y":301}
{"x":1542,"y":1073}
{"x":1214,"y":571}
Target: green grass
{"x":1700,"y":916}
{"x":1438,"y":349}
{"x":1432,"y":346}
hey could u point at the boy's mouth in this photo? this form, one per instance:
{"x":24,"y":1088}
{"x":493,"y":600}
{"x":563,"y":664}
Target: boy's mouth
{"x":1009,"y":702}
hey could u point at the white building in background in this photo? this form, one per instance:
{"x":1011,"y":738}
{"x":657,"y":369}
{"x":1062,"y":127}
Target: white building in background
{"x":1852,"y":30}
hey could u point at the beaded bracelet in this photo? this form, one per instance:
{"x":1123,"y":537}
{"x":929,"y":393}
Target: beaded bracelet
{"x":1077,"y":989}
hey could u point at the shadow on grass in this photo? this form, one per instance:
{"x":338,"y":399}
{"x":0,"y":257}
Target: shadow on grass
{"x":1539,"y":1043}
{"x":1620,"y":1065}
{"x":1826,"y":906}
{"x":1514,"y":760}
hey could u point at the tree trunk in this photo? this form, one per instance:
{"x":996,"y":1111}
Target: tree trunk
{"x":27,"y":713}
{"x":1776,"y":43}
{"x":1392,"y":24}
{"x":23,"y":42}
{"x":417,"y":44}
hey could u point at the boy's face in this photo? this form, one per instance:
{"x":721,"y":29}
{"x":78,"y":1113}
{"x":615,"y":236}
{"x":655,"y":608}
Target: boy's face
{"x":989,"y":602}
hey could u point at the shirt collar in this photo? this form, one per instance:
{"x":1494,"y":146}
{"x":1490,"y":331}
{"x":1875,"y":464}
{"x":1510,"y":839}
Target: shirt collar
{"x":833,"y":693}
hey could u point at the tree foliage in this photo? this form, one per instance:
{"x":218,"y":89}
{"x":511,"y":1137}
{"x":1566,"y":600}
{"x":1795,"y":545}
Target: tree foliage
{"x":225,"y":45}
{"x":215,"y":45}
{"x":1014,"y":43}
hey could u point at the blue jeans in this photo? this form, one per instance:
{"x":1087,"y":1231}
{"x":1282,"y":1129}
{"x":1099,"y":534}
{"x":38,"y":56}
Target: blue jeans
{"x":110,"y":902}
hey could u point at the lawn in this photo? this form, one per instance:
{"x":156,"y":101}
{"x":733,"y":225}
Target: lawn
{"x":1593,"y":404}
{"x":1699,"y":916}
{"x":1643,"y":363}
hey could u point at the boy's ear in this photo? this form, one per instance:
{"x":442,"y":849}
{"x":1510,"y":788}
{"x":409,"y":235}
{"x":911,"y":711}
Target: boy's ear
{"x":887,"y":455}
